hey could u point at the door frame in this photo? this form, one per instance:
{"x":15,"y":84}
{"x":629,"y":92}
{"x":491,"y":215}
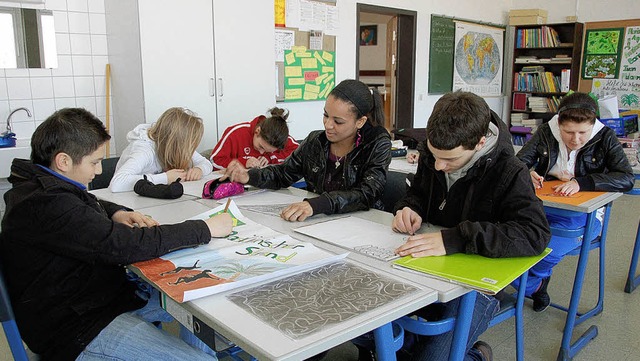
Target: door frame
{"x":405,"y":70}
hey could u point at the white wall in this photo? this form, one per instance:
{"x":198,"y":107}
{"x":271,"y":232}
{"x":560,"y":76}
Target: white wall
{"x":495,"y":11}
{"x":585,"y":10}
{"x":79,"y":80}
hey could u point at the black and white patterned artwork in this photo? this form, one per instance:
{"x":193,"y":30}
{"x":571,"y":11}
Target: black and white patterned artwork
{"x":310,"y":301}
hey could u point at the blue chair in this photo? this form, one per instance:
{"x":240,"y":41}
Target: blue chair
{"x":574,"y":318}
{"x":459,"y":325}
{"x":632,"y":280}
{"x":394,"y":332}
{"x":108,"y":169}
{"x":9,"y":325}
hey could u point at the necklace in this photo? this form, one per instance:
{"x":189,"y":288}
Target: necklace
{"x":338,"y":160}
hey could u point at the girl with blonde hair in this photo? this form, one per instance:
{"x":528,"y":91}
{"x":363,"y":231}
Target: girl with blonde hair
{"x":163,"y":151}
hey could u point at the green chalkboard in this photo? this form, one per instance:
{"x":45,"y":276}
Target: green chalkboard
{"x":441,"y":44}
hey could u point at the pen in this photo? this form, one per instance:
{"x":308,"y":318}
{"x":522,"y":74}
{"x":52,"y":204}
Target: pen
{"x":226,"y":207}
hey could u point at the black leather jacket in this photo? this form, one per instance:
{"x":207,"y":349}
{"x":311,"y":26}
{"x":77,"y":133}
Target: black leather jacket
{"x":62,"y":258}
{"x":492,"y":211}
{"x":601,"y":164}
{"x":365,"y":172}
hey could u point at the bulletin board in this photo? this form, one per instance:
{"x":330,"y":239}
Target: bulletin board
{"x":626,"y":83}
{"x":298,"y":78}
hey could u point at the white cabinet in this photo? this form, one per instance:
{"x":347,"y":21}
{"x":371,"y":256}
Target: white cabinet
{"x":213,"y":57}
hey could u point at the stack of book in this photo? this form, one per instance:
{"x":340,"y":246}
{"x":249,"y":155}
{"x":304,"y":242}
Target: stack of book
{"x":517,"y":118}
{"x":532,"y":123}
{"x":565,"y":80}
{"x":539,"y":104}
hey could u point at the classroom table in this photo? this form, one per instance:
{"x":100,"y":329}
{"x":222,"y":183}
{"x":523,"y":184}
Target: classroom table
{"x":589,"y":207}
{"x":261,"y":340}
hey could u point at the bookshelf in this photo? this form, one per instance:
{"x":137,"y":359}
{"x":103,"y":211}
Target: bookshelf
{"x":546,"y":64}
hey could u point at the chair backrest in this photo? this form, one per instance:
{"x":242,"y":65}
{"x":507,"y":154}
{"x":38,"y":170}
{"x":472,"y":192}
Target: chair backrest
{"x":9,"y":325}
{"x":108,"y":169}
{"x":394,"y":189}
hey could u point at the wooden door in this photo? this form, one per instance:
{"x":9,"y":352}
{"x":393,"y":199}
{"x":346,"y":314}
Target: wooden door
{"x":389,"y":96}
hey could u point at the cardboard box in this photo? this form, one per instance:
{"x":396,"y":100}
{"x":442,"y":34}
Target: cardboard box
{"x":622,"y":126}
{"x":527,"y":20}
{"x":528,"y":12}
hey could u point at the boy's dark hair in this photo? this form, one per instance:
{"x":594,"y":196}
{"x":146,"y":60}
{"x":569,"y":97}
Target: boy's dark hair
{"x":274,"y":129}
{"x":578,"y":108}
{"x":365,"y":101}
{"x":458,"y":119}
{"x":74,"y":131}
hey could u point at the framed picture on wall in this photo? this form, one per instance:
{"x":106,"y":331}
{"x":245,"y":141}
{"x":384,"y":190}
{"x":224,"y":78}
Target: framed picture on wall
{"x":368,"y":35}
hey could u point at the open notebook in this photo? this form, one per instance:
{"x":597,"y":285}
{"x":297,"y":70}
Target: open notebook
{"x":488,"y":275}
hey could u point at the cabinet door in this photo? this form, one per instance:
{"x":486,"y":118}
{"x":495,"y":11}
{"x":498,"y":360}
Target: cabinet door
{"x":176,"y":44}
{"x":245,"y":59}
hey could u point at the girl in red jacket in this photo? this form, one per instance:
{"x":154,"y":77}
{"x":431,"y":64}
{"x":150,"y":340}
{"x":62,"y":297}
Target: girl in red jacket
{"x":256,"y":144}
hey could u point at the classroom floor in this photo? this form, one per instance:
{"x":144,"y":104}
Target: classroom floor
{"x":618,"y":326}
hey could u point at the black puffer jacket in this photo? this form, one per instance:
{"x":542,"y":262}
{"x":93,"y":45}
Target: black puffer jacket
{"x":63,"y":260}
{"x":601,"y":164}
{"x":365,"y":172}
{"x":492,"y":210}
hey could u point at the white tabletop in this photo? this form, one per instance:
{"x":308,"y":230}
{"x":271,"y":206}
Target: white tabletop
{"x":135,"y":201}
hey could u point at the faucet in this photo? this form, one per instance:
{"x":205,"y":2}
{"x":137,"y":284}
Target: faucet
{"x":9,"y":118}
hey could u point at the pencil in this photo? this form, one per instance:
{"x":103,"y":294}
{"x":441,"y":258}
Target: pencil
{"x":226,"y":207}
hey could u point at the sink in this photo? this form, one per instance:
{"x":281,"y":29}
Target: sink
{"x":21,"y":150}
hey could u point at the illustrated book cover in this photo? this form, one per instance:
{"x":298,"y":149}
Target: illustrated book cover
{"x":252,"y":253}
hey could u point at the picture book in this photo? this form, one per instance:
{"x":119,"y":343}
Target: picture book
{"x":252,"y":253}
{"x":484,"y":274}
{"x":356,"y":234}
{"x":546,"y":193}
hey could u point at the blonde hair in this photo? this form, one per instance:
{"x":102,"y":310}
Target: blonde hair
{"x":177,"y":134}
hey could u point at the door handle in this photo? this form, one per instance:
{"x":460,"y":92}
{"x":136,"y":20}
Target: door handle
{"x":220,"y":88}
{"x":212,"y":88}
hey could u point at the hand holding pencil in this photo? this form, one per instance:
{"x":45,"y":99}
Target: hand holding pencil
{"x":537,"y":179}
{"x":221,"y":224}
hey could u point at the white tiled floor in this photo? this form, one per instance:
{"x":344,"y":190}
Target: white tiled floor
{"x":618,"y":325}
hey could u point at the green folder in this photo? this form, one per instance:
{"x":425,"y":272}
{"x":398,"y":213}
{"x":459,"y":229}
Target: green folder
{"x":488,"y":275}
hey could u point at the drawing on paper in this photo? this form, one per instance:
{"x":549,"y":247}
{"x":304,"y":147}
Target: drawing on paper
{"x":251,"y":253}
{"x":308,"y":302}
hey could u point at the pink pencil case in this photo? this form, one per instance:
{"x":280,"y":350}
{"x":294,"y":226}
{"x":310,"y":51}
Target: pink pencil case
{"x":216,"y":189}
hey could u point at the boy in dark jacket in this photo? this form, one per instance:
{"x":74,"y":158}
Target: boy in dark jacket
{"x":63,"y":252}
{"x":469,"y":181}
{"x":586,"y":155}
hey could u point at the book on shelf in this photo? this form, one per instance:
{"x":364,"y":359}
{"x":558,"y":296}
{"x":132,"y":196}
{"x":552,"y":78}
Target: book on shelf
{"x":517,"y":118}
{"x":542,"y":37}
{"x":251,"y":254}
{"x":520,"y":101}
{"x":524,"y":59}
{"x":538,"y":105}
{"x":530,"y":122}
{"x":487,"y":275}
{"x":565,"y":80}
{"x":520,"y":129}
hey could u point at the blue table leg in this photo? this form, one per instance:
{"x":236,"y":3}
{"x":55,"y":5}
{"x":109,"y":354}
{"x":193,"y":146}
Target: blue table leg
{"x":462,"y":327}
{"x":632,"y":280}
{"x":567,"y":350}
{"x":383,"y":337}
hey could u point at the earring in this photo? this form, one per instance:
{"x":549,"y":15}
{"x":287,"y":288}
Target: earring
{"x":358,"y":138}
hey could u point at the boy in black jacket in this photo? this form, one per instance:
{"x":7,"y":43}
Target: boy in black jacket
{"x":469,"y":181}
{"x":63,"y":252}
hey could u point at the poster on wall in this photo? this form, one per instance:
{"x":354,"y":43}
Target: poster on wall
{"x":478,"y":52}
{"x":627,"y":86}
{"x":630,"y":63}
{"x":308,"y":74}
{"x":602,"y":53}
